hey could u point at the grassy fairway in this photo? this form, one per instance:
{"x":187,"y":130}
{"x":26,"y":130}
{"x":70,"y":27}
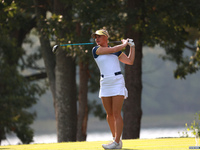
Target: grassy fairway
{"x":143,"y":144}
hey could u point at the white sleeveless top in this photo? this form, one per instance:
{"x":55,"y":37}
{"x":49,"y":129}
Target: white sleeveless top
{"x":108,"y":64}
{"x":110,"y":84}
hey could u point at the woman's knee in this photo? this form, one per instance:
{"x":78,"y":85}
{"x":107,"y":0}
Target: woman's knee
{"x":117,"y":115}
{"x":110,"y":114}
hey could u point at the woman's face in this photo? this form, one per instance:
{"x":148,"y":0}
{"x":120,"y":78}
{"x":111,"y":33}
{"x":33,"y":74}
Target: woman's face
{"x":101,"y":40}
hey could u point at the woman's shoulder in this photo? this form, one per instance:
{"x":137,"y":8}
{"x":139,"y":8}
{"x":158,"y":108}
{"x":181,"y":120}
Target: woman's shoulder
{"x":94,"y":49}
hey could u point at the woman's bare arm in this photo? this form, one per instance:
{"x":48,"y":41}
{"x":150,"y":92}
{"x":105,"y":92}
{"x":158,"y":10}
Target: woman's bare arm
{"x":109,"y":50}
{"x":129,"y":60}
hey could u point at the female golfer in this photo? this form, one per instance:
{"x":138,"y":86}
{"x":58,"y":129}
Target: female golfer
{"x":112,"y":85}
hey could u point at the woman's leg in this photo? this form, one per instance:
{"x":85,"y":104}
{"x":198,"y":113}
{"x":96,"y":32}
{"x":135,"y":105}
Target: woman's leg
{"x":107,"y":103}
{"x":117,"y":103}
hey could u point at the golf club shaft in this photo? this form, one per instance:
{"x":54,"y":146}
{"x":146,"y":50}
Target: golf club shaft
{"x":55,"y":47}
{"x":86,"y":43}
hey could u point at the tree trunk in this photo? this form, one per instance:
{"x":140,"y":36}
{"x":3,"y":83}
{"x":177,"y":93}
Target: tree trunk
{"x":83,"y":107}
{"x":65,"y":82}
{"x":133,"y":78}
{"x":66,"y":97}
{"x":47,"y":55}
{"x":2,"y":134}
{"x":132,"y":106}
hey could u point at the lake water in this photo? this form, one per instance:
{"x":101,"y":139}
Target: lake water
{"x":150,"y":133}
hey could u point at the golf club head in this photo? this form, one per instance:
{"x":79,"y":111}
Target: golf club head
{"x":54,"y":49}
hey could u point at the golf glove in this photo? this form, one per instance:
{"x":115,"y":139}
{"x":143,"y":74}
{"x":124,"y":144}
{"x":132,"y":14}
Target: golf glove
{"x":131,"y":43}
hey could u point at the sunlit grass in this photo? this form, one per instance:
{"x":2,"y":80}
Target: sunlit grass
{"x":140,"y":144}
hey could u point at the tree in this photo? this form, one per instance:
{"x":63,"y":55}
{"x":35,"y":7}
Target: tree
{"x":61,"y":72}
{"x":41,"y":9}
{"x":133,"y":76}
{"x":65,"y":78}
{"x":151,"y":23}
{"x":189,"y":65}
{"x":83,"y":63}
{"x":17,"y":93}
{"x":83,"y":105}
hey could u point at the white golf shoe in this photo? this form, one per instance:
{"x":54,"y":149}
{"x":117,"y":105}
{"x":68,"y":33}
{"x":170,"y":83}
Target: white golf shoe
{"x":113,"y":145}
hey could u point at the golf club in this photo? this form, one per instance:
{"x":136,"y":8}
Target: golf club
{"x":55,"y":47}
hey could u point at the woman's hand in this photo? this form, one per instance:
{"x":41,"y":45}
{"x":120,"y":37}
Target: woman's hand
{"x":125,"y":41}
{"x":129,"y":60}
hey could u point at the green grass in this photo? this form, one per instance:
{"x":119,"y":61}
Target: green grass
{"x":140,"y":144}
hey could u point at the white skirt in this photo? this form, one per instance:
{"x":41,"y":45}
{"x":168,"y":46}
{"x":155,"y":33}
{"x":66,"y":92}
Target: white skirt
{"x":112,"y":86}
